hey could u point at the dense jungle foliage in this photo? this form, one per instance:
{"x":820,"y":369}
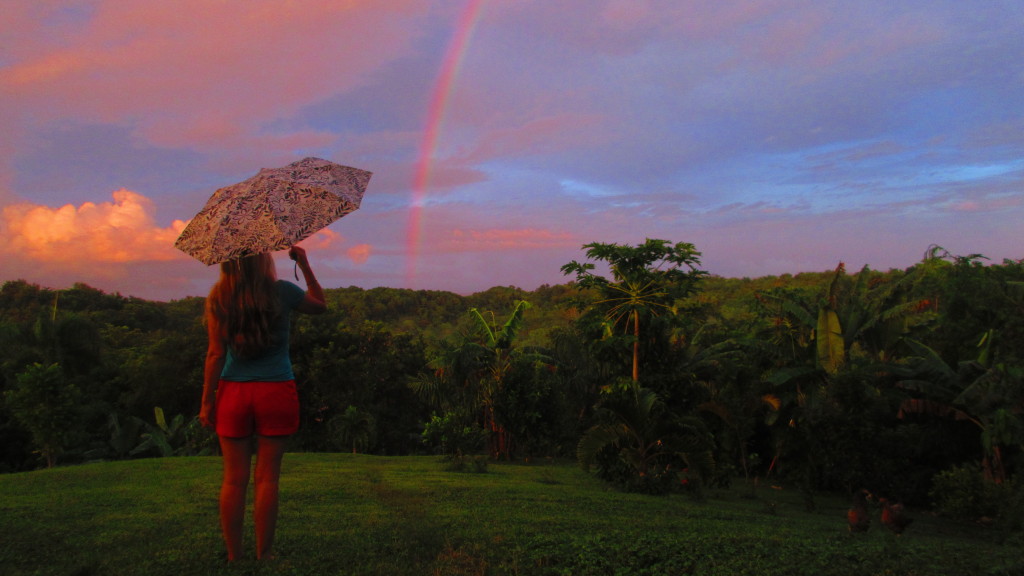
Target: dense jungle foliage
{"x":659,"y":377}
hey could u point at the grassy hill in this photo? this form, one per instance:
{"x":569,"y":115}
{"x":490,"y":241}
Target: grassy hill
{"x":349,"y":514}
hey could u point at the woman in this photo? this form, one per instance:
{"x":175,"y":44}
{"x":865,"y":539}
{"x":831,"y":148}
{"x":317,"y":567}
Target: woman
{"x":249,"y":387}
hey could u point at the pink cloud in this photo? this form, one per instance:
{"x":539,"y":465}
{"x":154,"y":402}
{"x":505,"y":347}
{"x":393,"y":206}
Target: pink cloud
{"x":121,"y":231}
{"x":322,"y":240}
{"x":543,"y":135}
{"x":460,"y":240}
{"x":624,"y":26}
{"x":986,"y":203}
{"x":359,"y":253}
{"x":198,"y":73}
{"x":448,"y":175}
{"x":966,"y":206}
{"x":828,"y":40}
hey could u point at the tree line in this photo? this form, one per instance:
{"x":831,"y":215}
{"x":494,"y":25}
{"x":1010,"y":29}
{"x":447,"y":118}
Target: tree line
{"x":653,"y":374}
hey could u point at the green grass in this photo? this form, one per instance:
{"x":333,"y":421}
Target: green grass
{"x":345,"y":514}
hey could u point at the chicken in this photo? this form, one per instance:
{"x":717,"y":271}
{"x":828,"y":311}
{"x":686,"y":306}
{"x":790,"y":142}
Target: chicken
{"x":894,"y":517}
{"x":857,"y":515}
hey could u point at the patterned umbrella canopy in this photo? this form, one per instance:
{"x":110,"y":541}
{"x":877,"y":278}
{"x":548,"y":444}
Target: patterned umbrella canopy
{"x":273,"y":210}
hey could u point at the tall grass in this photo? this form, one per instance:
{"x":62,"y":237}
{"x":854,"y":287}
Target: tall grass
{"x":349,"y":514}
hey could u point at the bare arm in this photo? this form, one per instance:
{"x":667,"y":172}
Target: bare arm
{"x":215,"y":357}
{"x":314,"y":302}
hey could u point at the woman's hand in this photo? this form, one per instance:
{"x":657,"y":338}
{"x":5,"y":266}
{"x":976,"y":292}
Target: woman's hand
{"x":206,"y":415}
{"x":298,"y":254}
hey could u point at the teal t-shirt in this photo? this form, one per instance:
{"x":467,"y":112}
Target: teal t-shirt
{"x":275,"y":365}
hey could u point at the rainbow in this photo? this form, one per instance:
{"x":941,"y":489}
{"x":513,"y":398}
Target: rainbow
{"x":435,"y":118}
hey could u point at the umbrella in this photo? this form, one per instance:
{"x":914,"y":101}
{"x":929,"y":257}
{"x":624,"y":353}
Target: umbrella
{"x":273,"y":210}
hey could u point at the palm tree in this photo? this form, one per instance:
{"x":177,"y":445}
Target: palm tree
{"x":354,"y":428}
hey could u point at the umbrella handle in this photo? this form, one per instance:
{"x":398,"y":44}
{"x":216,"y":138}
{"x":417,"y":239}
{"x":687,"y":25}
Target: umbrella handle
{"x":296,"y":270}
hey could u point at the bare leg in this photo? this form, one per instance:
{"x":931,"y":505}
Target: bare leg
{"x":237,"y":461}
{"x":270,"y":450}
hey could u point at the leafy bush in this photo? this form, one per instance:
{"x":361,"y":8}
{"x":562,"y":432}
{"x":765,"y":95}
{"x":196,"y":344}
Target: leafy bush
{"x":639,"y":446}
{"x":450,"y":435}
{"x":964,"y":493}
{"x":46,"y":404}
{"x":457,"y":442}
{"x":611,"y":467}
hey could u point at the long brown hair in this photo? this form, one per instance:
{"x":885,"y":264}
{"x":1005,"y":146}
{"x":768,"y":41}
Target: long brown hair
{"x":244,"y":304}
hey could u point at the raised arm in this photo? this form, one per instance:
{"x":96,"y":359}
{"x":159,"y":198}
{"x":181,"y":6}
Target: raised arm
{"x":314,"y":302}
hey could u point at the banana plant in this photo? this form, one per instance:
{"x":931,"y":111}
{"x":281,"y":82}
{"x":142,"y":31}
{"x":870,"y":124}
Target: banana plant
{"x":468,"y":377}
{"x":124,"y":437}
{"x":865,"y":314}
{"x":984,"y":394}
{"x":163,"y":438}
{"x":496,"y":352}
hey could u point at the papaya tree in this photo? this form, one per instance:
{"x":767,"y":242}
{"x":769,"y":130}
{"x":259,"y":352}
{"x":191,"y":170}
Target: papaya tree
{"x":646,"y":281}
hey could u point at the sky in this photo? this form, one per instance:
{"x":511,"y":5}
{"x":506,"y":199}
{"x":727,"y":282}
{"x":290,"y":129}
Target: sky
{"x":777,"y":136}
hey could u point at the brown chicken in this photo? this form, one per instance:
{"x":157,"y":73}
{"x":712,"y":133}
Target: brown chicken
{"x":894,"y":517}
{"x":857,"y":515}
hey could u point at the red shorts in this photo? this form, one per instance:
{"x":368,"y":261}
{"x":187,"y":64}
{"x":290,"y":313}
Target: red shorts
{"x":264,"y":408}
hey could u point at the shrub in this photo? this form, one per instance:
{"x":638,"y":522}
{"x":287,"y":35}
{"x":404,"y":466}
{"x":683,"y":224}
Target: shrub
{"x":963,"y":493}
{"x":47,"y":405}
{"x":449,"y":435}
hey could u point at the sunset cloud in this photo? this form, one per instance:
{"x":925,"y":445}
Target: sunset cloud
{"x":117,"y":244}
{"x":120,"y":231}
{"x":322,"y":240}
